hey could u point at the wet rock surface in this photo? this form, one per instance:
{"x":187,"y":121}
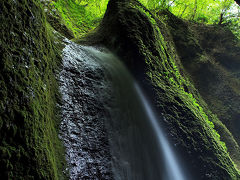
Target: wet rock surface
{"x":83,"y":115}
{"x":144,"y":43}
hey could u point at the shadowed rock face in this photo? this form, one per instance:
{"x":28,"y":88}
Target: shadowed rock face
{"x":82,"y":130}
{"x":145,"y":45}
{"x":29,"y":145}
{"x":211,"y":56}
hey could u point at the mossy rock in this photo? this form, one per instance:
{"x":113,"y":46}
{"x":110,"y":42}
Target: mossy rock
{"x":210,"y":55}
{"x":144,"y":43}
{"x":55,"y":20}
{"x":29,"y":145}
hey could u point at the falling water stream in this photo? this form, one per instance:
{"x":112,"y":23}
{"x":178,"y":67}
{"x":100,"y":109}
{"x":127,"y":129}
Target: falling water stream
{"x":109,"y":128}
{"x":172,"y":166}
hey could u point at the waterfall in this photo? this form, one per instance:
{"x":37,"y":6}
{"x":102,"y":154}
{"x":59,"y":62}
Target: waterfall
{"x":108,"y":127}
{"x":172,"y":166}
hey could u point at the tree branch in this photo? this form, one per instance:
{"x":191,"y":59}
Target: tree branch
{"x":238,"y":2}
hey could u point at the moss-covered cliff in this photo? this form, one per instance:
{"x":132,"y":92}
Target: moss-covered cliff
{"x":211,"y":57}
{"x":29,"y":146}
{"x":145,"y":44}
{"x":168,"y":56}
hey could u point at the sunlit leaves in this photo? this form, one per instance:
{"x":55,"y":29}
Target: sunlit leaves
{"x":95,"y":8}
{"x":80,"y":16}
{"x":204,"y":11}
{"x":208,"y":11}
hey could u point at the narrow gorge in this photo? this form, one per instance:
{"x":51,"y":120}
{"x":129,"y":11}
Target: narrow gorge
{"x":118,"y":89}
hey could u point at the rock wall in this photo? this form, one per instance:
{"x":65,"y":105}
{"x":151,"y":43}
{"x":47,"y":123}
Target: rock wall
{"x":145,"y":44}
{"x":86,"y":94}
{"x":211,"y":57}
{"x":29,"y":146}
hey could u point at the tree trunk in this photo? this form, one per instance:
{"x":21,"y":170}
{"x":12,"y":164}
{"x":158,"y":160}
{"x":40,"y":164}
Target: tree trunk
{"x":220,"y":19}
{"x":238,"y":2}
{"x":184,"y":10}
{"x":195,"y":10}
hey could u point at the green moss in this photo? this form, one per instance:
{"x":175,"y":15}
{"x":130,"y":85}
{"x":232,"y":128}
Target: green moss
{"x":175,"y":79}
{"x":55,"y":20}
{"x":77,"y":17}
{"x":211,"y":64}
{"x":145,"y":44}
{"x":29,"y":144}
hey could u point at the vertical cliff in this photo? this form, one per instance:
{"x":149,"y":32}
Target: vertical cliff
{"x":210,"y":56}
{"x":29,"y":146}
{"x":146,"y":46}
{"x":165,"y":57}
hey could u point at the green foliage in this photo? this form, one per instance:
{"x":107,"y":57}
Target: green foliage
{"x":203,"y":11}
{"x":155,"y":4}
{"x":81,"y":16}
